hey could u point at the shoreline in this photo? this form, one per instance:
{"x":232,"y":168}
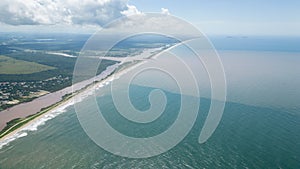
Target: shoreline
{"x":58,"y":107}
{"x":26,"y":122}
{"x":66,"y":100}
{"x":72,"y":99}
{"x":26,"y":109}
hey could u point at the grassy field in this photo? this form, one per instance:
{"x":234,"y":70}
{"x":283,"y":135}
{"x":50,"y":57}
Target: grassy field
{"x":13,"y":66}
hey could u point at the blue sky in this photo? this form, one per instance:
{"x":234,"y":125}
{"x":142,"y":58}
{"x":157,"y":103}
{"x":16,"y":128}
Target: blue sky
{"x":226,"y":17}
{"x":233,"y":16}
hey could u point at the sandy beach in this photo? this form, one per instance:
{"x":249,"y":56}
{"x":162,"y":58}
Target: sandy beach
{"x":25,"y":109}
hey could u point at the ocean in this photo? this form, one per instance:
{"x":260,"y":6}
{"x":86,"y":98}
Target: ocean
{"x":259,"y":128}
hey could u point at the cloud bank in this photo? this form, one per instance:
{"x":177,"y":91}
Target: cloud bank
{"x":52,"y":12}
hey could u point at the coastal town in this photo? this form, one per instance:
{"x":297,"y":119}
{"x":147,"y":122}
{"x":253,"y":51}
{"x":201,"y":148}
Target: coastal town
{"x":12,"y":93}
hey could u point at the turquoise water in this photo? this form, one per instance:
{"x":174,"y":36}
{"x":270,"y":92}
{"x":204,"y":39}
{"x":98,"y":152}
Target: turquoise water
{"x":247,"y":137}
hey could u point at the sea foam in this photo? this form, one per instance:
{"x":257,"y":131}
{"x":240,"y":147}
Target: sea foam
{"x":33,"y":125}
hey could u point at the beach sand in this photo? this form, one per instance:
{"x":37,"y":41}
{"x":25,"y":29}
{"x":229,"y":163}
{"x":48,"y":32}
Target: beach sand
{"x":25,"y":109}
{"x":29,"y":108}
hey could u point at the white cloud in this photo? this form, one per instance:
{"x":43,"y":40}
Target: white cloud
{"x":51,"y":12}
{"x":165,"y":11}
{"x":132,"y":10}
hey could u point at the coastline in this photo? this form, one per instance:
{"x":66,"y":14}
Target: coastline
{"x":26,"y":122}
{"x":24,"y":110}
{"x":32,"y":121}
{"x":61,"y":104}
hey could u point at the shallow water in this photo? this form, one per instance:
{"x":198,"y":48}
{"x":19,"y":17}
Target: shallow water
{"x":247,"y":137}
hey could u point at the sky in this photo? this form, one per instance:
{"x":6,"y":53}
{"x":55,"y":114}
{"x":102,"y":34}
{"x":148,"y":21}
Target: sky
{"x":225,"y":17}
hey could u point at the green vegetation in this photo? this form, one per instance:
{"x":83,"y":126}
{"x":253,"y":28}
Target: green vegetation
{"x":9,"y":125}
{"x":64,"y":67}
{"x":13,"y":66}
{"x":17,"y":123}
